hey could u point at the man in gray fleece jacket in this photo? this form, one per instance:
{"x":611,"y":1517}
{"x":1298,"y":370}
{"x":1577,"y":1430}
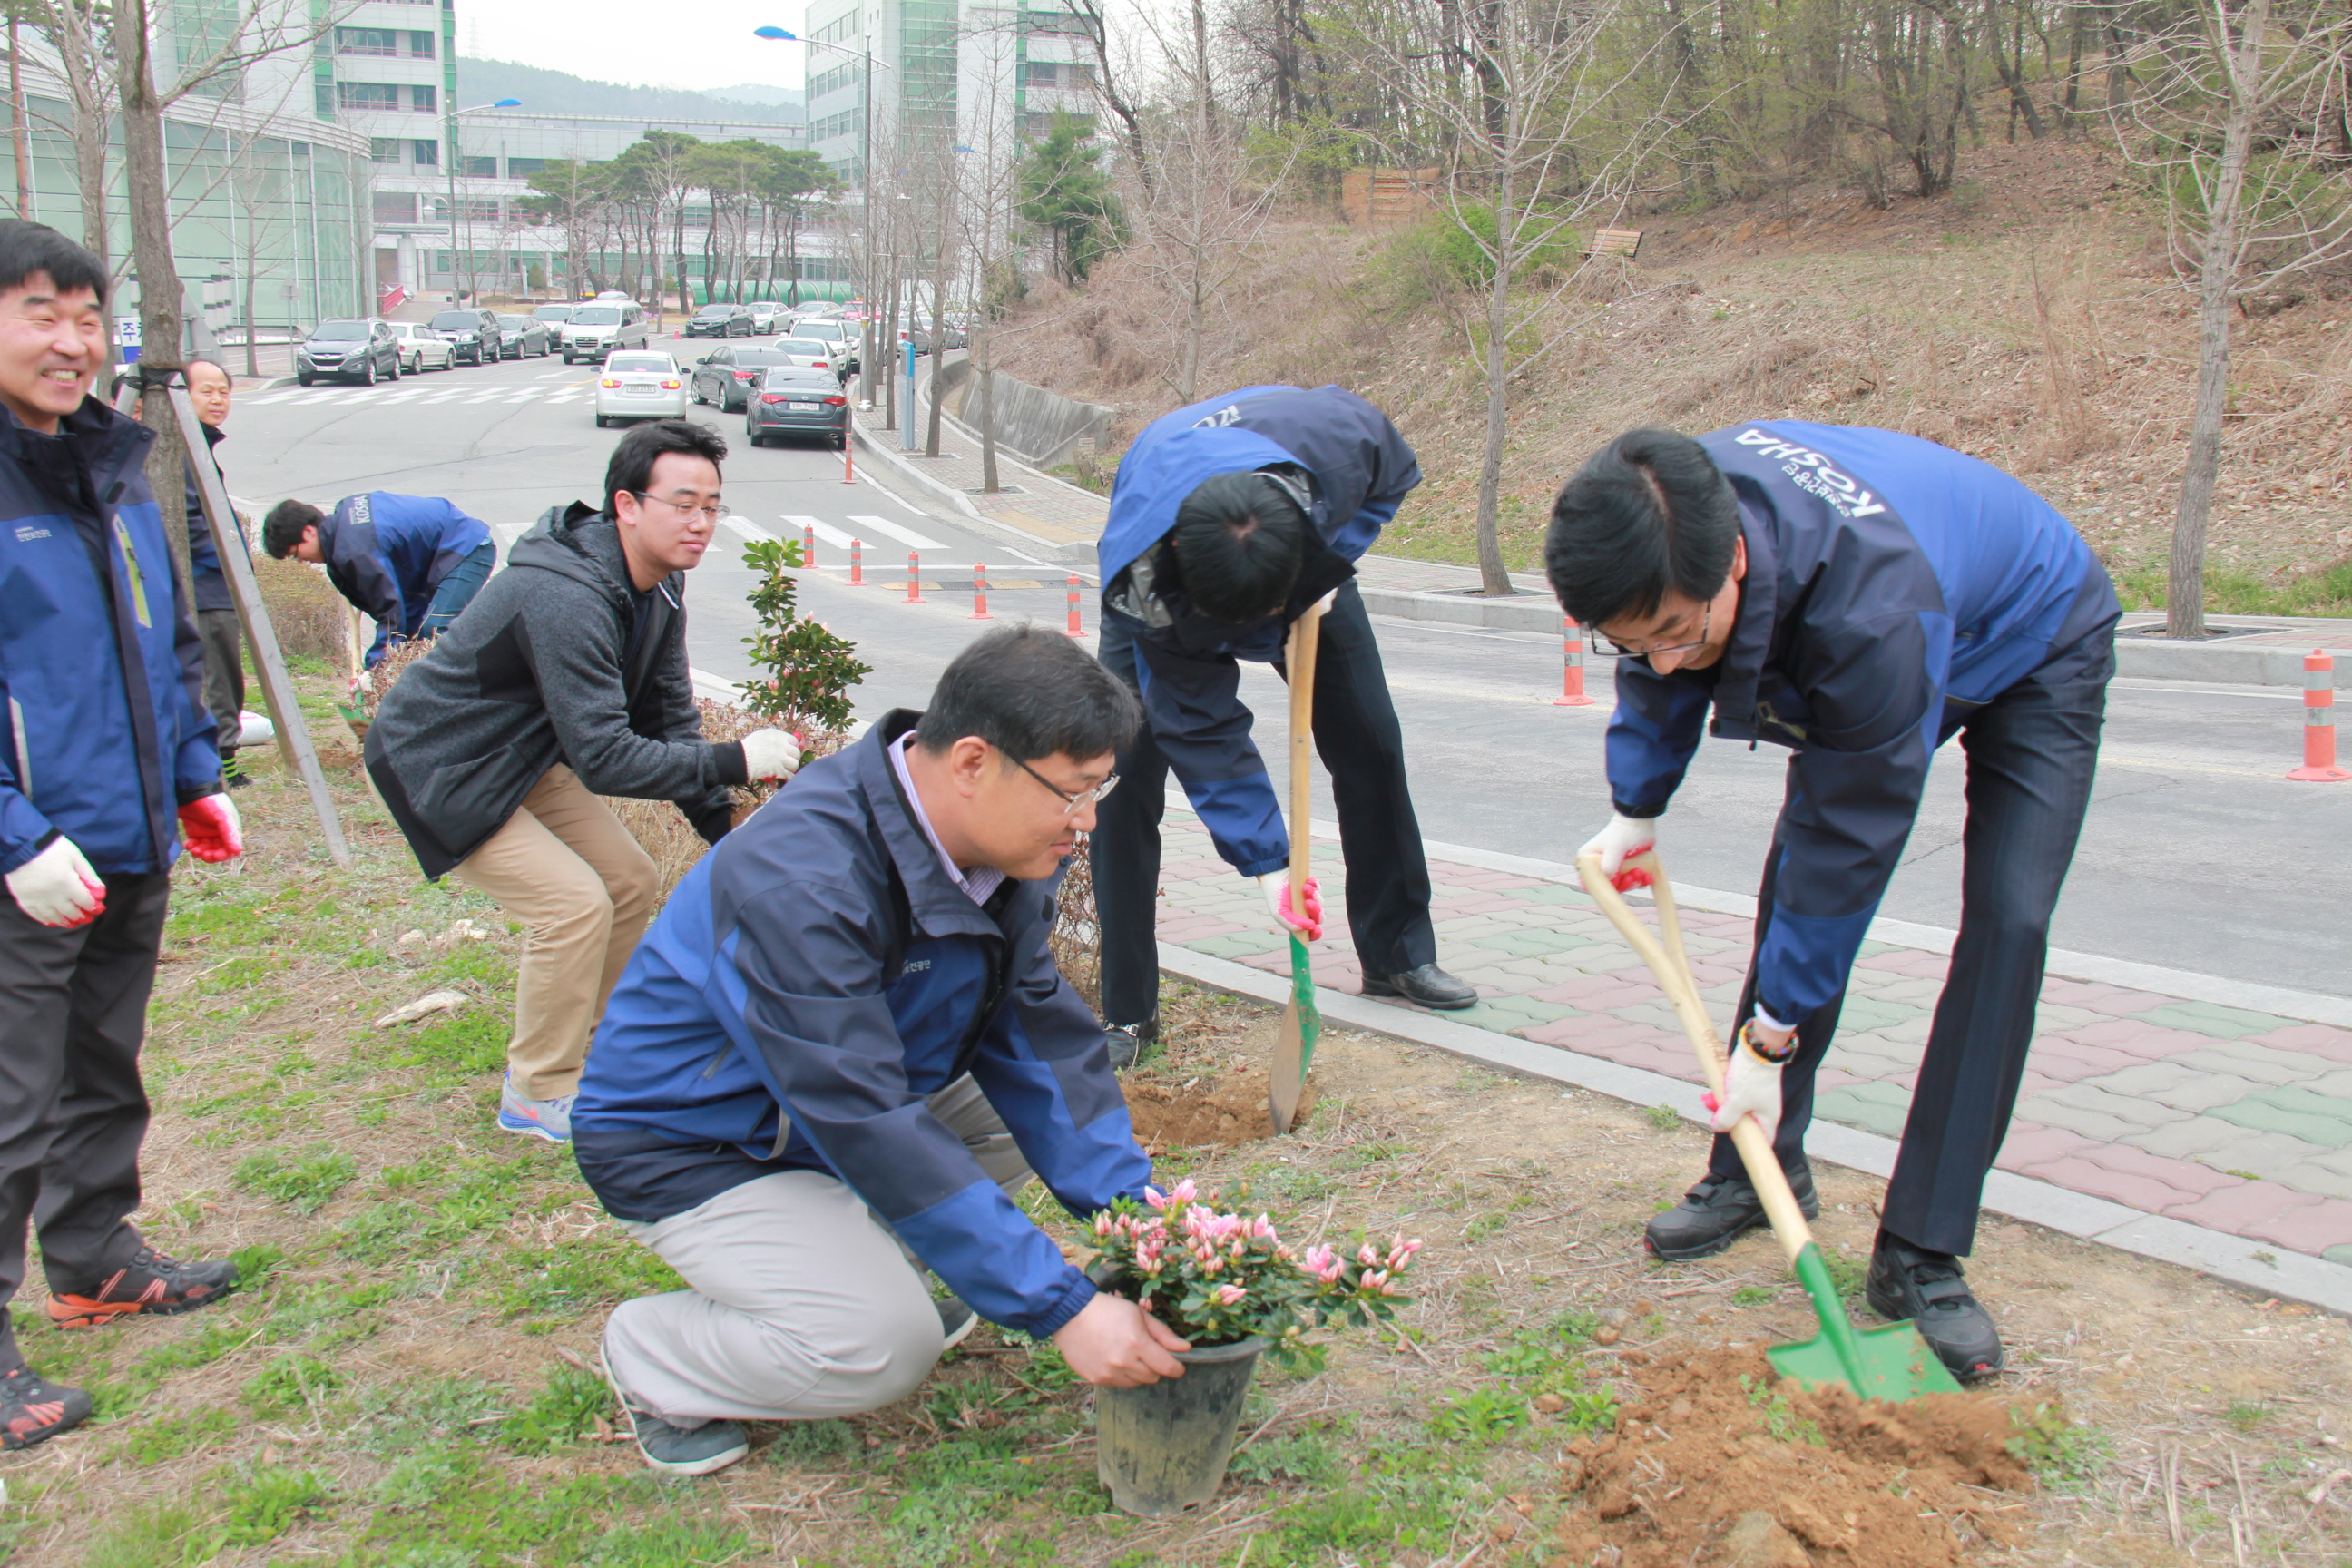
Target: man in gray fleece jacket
{"x":566,"y":678}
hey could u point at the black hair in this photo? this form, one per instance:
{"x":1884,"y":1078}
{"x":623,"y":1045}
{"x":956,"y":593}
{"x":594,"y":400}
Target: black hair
{"x":282,"y":530}
{"x":1239,"y":540}
{"x":1648,"y":513}
{"x":1030,"y":691}
{"x":632,"y":467}
{"x":29,"y":247}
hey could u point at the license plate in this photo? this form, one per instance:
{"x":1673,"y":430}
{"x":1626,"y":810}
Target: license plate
{"x":800,"y":408}
{"x":639,"y":391}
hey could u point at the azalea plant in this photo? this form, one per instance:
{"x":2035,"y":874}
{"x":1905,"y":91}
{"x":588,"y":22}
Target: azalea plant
{"x":1217,"y":1278}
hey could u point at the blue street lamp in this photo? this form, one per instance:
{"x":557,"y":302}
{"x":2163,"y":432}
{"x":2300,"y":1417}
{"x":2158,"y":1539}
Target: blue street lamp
{"x":865,"y":184}
{"x":451,"y":174}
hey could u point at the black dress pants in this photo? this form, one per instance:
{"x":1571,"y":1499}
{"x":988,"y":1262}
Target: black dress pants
{"x":2032,"y":753}
{"x":73,"y":1013}
{"x":1361,"y":744}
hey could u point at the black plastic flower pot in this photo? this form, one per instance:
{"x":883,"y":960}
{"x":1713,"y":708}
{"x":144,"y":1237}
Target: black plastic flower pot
{"x":1162,"y":1448}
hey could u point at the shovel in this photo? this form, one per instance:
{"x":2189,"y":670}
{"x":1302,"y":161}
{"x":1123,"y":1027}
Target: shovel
{"x":1890,"y":1363}
{"x":1294,"y":1047}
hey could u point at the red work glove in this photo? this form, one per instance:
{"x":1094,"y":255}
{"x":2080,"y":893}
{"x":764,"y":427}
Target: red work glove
{"x":211,"y":830}
{"x":1276,"y":886}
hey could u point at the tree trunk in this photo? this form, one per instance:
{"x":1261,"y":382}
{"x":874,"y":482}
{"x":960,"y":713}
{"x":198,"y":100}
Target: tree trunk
{"x":988,"y":481}
{"x":2217,"y":277}
{"x":1493,"y":576}
{"x":17,"y":125}
{"x":147,"y":185}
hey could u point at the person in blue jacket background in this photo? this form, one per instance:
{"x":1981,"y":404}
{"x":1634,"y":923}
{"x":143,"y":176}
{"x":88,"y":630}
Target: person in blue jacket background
{"x":1859,"y":596}
{"x":1230,"y":519}
{"x":843,"y":1046}
{"x":107,"y":764}
{"x":410,"y":563}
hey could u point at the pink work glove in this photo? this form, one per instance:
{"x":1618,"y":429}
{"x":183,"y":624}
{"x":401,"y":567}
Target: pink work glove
{"x":1276,"y":886}
{"x":211,"y":830}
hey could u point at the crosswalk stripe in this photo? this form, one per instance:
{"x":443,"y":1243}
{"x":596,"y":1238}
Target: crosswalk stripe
{"x":900,"y":532}
{"x":746,"y":529}
{"x":824,"y":530}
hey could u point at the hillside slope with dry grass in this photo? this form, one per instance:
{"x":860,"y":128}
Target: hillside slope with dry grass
{"x":2032,"y":318}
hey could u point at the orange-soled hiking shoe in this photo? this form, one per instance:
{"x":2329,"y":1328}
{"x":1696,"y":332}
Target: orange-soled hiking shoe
{"x":150,"y":1282}
{"x":33,"y":1411}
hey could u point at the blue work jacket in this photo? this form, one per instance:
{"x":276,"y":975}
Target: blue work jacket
{"x":811,"y":983}
{"x":1893,"y":584}
{"x":100,"y":669}
{"x":1357,"y":468}
{"x":387,"y":554}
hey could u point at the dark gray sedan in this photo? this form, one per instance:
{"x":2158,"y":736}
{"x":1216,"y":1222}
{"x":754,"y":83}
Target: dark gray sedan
{"x":523,"y":337}
{"x":793,"y":401}
{"x":727,"y":376}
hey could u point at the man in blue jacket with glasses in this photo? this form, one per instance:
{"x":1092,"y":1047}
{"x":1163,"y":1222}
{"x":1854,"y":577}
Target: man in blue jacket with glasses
{"x":1860,"y":597}
{"x":410,"y":563}
{"x":841,"y":1049}
{"x":1229,"y":519}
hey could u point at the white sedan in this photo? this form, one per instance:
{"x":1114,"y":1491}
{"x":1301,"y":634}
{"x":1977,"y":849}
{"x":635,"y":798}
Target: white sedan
{"x":640,"y":386}
{"x":420,"y":346}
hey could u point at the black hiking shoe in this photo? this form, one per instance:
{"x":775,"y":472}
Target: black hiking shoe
{"x":1925,"y":1287}
{"x":1713,"y":1214}
{"x":1127,"y":1042}
{"x":678,"y":1450}
{"x":1428,"y":985}
{"x":150,"y":1282}
{"x":33,"y":1410}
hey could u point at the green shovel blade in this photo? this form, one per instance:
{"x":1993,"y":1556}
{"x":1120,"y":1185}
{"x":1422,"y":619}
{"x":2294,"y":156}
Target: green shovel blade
{"x":1302,"y":999}
{"x":1890,"y":1363}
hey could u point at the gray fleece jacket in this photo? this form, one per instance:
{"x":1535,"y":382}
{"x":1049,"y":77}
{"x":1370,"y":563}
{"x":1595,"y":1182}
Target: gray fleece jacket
{"x":530,"y":676}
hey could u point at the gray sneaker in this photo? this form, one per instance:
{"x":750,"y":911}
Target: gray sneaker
{"x":956,"y":1322}
{"x":679,"y":1450}
{"x":547,"y":1119}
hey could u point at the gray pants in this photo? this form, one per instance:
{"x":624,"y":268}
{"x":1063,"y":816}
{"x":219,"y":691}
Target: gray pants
{"x":803,"y":1305}
{"x":223,"y":674}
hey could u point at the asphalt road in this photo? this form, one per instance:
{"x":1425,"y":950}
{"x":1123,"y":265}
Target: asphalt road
{"x":2198,"y":854}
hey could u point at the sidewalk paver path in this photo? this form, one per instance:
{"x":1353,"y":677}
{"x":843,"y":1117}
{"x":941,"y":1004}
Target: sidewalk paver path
{"x":2233,"y":1120}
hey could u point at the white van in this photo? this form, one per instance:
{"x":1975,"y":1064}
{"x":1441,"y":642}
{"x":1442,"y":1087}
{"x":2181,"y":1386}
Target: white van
{"x":599,"y":327}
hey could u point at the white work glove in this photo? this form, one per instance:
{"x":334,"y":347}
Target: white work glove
{"x":58,"y":888}
{"x":771,"y":754}
{"x":1624,"y":837}
{"x":211,"y":829}
{"x":1752,"y":1087}
{"x":1276,"y":886}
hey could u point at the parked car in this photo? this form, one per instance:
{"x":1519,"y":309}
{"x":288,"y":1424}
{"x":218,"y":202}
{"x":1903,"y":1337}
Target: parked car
{"x":640,"y":385}
{"x":765,"y":314}
{"x":474,"y":334}
{"x":554,"y":316}
{"x":599,"y":328}
{"x":836,"y":335}
{"x":956,"y":335}
{"x":809,"y":353}
{"x":524,"y":337}
{"x":793,"y":400}
{"x":721,"y":322}
{"x":420,"y":346}
{"x":612,"y":294}
{"x":726,"y":376}
{"x":355,"y":349}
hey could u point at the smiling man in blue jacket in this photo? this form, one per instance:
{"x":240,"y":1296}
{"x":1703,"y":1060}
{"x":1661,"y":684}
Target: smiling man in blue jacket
{"x":1229,"y":519}
{"x":1859,"y":596}
{"x":840,"y":1049}
{"x":410,"y":563}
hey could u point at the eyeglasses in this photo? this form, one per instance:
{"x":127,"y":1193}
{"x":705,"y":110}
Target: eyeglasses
{"x":1610,"y":647}
{"x":713,"y":514}
{"x":1072,"y":803}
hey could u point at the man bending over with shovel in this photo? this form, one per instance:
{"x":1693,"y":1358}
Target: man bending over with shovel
{"x":1229,"y":521}
{"x":1860,"y":597}
{"x":843,"y":1046}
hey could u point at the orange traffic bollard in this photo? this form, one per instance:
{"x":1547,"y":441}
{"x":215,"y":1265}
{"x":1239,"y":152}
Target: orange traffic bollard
{"x":913,"y":578}
{"x":848,"y":464}
{"x":980,"y":592}
{"x":2319,"y":721}
{"x":1077,"y":627}
{"x":857,"y":564}
{"x":808,"y":548}
{"x":1571,"y":675}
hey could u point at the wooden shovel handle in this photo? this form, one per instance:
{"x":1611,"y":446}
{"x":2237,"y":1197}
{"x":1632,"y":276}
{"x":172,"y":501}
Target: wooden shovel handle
{"x":1671,"y":964}
{"x":1298,"y":665}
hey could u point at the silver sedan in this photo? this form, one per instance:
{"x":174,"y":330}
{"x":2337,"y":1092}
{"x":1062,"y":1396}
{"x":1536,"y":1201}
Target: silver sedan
{"x":640,"y":386}
{"x":420,"y":346}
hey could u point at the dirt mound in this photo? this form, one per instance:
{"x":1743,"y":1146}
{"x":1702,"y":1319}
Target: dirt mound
{"x":1225,"y":1110}
{"x":1717,"y":1462}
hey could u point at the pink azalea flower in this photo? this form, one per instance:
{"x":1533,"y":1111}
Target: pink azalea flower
{"x":1229,"y":1294}
{"x":1156,"y":1198}
{"x":1366,"y":1256}
{"x":1184,"y":1191}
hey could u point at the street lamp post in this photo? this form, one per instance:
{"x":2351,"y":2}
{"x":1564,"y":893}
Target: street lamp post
{"x":865,"y":177}
{"x":451,"y":119}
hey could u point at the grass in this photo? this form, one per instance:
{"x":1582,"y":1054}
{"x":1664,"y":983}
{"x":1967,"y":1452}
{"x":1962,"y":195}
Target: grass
{"x":2233,"y":591}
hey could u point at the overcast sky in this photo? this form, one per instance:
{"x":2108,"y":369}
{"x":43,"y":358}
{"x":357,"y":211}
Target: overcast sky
{"x":700,"y":44}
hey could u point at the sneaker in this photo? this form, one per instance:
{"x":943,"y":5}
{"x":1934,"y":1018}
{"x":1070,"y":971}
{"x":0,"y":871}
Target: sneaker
{"x":150,"y":1282}
{"x":1714,"y":1214}
{"x":33,"y":1410}
{"x":1127,"y":1042}
{"x":1925,"y":1287}
{"x":547,"y":1119}
{"x":679,"y":1450}
{"x":233,"y":776}
{"x":956,"y":1322}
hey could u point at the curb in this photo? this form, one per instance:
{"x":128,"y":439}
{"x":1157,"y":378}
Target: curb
{"x":2267,"y":1271}
{"x":1081,"y":553}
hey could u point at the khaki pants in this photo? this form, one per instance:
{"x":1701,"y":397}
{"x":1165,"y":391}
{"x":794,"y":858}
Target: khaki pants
{"x":566,"y":866}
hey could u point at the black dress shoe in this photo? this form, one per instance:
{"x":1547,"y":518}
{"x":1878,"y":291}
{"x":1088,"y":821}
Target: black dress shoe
{"x":1713,"y":1214}
{"x":1126,"y":1042}
{"x":1907,"y":1282}
{"x":1428,"y":985}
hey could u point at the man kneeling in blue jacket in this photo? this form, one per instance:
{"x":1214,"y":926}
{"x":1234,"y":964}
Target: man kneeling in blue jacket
{"x":842,"y":1046}
{"x":409,"y":562}
{"x":1859,"y":596}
